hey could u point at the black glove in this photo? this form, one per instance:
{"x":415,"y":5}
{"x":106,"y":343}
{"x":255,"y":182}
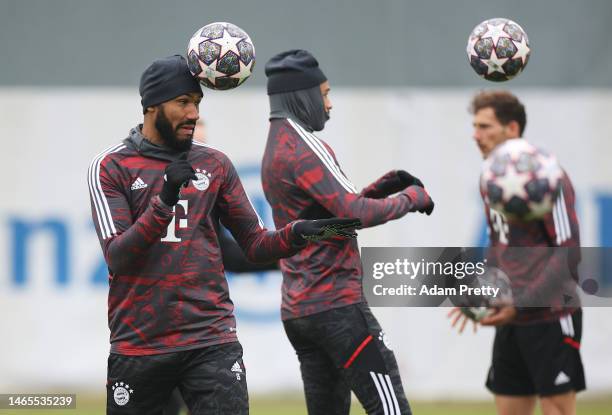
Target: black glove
{"x":177,"y":174}
{"x":408,"y":180}
{"x":316,"y":230}
{"x":392,"y":182}
{"x":421,"y":201}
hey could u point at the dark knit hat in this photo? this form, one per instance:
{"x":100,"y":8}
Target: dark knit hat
{"x":293,"y":70}
{"x":165,"y":79}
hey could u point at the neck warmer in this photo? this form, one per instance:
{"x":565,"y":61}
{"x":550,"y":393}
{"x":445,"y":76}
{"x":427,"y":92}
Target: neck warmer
{"x":304,"y":106}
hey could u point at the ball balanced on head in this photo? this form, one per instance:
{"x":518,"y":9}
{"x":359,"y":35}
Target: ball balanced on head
{"x":221,"y":55}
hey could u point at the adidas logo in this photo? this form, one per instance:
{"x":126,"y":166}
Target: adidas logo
{"x":236,"y":368}
{"x":561,"y":378}
{"x":138,"y":184}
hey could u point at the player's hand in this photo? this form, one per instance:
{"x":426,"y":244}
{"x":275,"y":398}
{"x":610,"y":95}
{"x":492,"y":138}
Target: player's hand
{"x":407,"y":180}
{"x":316,"y":230}
{"x":457,"y":316}
{"x":177,"y":174}
{"x":499,"y":316}
{"x":392,"y":182}
{"x":421,"y":201}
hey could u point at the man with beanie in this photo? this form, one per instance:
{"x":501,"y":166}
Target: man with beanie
{"x":340,"y":345}
{"x":156,"y":198}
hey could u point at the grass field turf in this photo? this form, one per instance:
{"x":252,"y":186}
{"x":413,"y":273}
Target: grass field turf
{"x":294,"y":405}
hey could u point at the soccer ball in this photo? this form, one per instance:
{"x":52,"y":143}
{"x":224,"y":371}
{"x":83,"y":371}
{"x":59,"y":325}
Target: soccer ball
{"x":520,"y":180}
{"x":475,"y":313}
{"x":478,"y":307}
{"x":498,"y":49}
{"x":221,"y":55}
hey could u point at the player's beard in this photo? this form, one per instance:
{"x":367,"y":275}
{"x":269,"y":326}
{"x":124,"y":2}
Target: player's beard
{"x":168,"y":133}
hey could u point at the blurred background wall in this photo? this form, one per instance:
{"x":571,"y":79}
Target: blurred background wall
{"x":401,"y":84}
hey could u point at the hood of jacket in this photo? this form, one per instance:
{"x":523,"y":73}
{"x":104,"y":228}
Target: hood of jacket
{"x":136,"y":141}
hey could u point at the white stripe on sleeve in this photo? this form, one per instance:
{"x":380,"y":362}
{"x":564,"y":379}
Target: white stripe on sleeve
{"x":555,"y":213}
{"x":561,"y":220}
{"x":103,"y":213}
{"x":565,"y":216}
{"x":325,"y":152}
{"x":322,"y":153}
{"x":261,"y":224}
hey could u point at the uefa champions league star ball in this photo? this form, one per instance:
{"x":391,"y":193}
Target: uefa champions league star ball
{"x":221,"y":55}
{"x":498,"y":49}
{"x":520,"y":180}
{"x":475,"y":313}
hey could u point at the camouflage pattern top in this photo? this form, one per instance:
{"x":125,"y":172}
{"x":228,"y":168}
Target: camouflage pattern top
{"x":167,"y":286}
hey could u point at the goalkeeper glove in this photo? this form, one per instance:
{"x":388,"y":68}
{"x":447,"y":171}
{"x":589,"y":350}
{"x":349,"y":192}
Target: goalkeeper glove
{"x":319,"y":229}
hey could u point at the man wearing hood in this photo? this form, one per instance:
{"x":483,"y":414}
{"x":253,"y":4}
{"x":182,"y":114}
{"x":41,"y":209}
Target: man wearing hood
{"x":156,"y":199}
{"x":340,"y":345}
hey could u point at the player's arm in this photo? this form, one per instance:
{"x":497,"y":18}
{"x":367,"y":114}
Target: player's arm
{"x":318,"y":174}
{"x":123,"y":241}
{"x":234,"y":259}
{"x":260,"y":245}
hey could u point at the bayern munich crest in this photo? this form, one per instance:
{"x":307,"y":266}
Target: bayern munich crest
{"x":121,"y":393}
{"x":383,"y":337}
{"x":203,"y":179}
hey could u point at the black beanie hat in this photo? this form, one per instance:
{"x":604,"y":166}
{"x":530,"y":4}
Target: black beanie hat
{"x":165,"y":79}
{"x":293,"y":70}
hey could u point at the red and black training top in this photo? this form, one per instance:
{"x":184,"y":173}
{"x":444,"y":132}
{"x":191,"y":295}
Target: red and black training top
{"x":167,"y":286}
{"x":302,"y":179}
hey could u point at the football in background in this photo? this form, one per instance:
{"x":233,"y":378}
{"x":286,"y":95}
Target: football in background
{"x":498,"y":49}
{"x":520,"y":180}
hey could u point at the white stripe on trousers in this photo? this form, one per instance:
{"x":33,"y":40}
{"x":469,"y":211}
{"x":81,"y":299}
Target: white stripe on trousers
{"x":384,"y":386}
{"x":567,"y":325}
{"x":395,"y":403}
{"x":570,"y":322}
{"x":380,"y":394}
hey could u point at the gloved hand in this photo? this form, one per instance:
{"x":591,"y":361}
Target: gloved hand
{"x":316,"y":230}
{"x":420,"y":199}
{"x":408,"y":179}
{"x":392,"y":182}
{"x":177,"y":174}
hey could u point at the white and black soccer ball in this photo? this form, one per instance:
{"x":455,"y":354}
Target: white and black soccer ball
{"x":221,"y":55}
{"x":498,"y":49}
{"x":475,"y":313}
{"x":482,"y":306}
{"x":520,"y":180}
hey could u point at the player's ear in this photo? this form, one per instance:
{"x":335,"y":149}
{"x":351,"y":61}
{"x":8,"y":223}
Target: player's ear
{"x":514,"y":130}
